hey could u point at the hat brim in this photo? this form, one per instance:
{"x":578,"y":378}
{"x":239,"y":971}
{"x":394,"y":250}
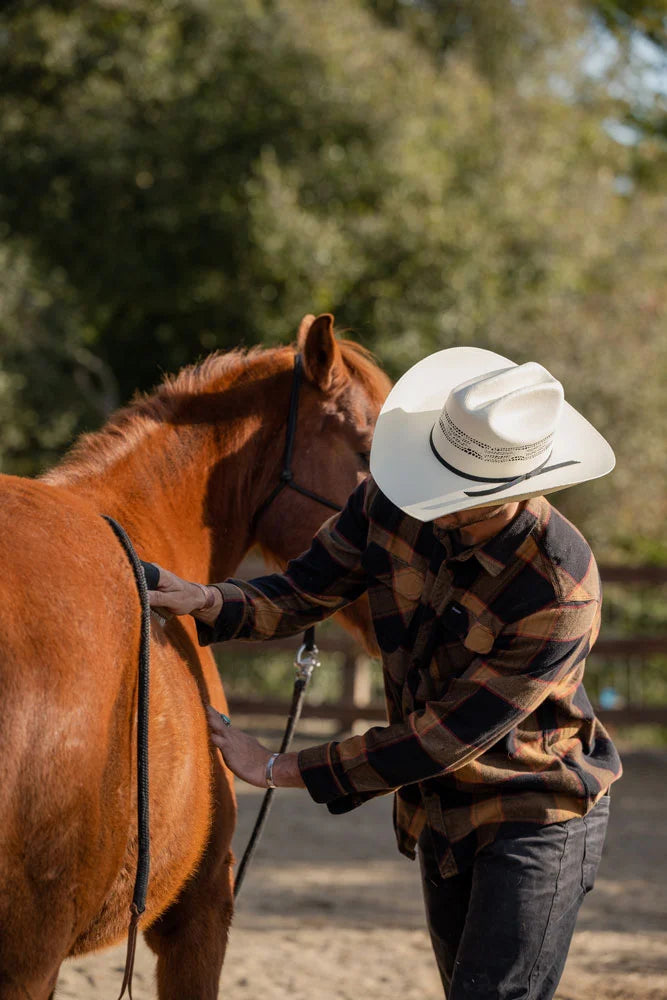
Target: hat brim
{"x":406,"y":470}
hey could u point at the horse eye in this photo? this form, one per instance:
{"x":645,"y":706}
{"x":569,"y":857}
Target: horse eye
{"x":365,"y":457}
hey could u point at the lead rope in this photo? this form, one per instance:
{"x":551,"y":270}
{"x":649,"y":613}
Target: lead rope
{"x":143,"y":859}
{"x":306,"y":660}
{"x":307,"y":656}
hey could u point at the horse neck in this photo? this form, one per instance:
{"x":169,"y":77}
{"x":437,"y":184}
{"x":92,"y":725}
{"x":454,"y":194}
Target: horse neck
{"x":186,"y":493}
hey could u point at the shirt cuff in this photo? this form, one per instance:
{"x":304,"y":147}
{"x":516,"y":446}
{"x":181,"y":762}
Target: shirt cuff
{"x":321,"y":771}
{"x":326,"y":781}
{"x":230,"y":620}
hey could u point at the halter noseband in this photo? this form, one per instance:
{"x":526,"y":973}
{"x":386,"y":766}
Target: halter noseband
{"x":286,"y":477}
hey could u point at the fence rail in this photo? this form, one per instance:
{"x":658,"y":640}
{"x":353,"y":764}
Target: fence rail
{"x":356,"y":703}
{"x":348,"y":713}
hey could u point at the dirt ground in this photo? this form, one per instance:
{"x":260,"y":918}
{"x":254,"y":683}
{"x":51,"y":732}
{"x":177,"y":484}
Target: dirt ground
{"x":331,"y":911}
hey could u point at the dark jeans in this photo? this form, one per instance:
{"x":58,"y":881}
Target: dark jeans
{"x":501,"y":930}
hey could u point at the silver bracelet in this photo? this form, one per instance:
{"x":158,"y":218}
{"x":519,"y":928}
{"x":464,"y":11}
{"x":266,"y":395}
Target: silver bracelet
{"x":270,"y":783}
{"x":209,"y":597}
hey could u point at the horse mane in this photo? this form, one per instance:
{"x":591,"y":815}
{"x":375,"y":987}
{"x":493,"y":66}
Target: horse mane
{"x":128,"y":426}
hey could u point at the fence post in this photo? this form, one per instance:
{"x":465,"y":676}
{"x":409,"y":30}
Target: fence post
{"x":357,"y":684}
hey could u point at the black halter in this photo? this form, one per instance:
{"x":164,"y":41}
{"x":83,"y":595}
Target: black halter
{"x":286,"y":477}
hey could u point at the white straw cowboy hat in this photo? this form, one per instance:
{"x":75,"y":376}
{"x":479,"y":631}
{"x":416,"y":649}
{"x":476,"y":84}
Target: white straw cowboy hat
{"x":469,"y":428}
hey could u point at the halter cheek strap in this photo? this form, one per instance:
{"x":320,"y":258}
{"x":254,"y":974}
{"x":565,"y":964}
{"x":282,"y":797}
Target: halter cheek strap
{"x":504,"y":483}
{"x":286,"y":476}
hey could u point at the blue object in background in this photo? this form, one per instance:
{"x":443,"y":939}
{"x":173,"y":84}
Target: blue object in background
{"x":610,"y":698}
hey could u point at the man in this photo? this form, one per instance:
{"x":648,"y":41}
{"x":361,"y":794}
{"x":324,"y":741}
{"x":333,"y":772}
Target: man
{"x":485,"y":603}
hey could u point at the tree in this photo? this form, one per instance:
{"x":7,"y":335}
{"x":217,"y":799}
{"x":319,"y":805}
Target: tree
{"x":180,"y":176}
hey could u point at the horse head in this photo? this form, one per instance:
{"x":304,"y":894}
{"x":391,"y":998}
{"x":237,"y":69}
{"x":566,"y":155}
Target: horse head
{"x":339,"y":401}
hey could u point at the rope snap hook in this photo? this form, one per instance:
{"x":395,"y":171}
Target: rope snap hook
{"x":307,"y":659}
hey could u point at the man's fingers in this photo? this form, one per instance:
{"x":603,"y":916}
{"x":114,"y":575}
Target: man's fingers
{"x":177,"y":596}
{"x":216,"y":721}
{"x":158,"y":599}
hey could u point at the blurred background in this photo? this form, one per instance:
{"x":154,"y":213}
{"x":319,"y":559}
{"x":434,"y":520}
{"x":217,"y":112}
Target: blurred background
{"x":180,"y":176}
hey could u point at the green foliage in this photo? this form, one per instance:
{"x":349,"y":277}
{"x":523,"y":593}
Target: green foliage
{"x":51,"y":382}
{"x":650,"y":737}
{"x":625,"y":17}
{"x":179,"y":176}
{"x":270,"y":674}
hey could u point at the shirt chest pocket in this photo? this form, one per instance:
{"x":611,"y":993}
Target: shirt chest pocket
{"x":460,"y":627}
{"x":455,"y":638}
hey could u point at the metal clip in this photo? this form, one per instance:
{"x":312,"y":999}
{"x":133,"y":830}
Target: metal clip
{"x":306,"y":661}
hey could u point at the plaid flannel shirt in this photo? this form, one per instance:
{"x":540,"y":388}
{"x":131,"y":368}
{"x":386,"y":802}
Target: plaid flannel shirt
{"x":483,"y":652}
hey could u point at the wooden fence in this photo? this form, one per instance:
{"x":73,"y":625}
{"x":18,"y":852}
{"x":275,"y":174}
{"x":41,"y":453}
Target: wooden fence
{"x":356,"y":702}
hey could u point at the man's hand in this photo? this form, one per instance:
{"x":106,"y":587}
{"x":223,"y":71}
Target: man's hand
{"x":243,"y":754}
{"x":180,"y":597}
{"x":247,"y":758}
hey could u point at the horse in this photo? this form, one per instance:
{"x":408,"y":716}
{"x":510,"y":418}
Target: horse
{"x":184,"y":470}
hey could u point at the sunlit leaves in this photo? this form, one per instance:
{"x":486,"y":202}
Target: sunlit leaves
{"x":179,"y":176}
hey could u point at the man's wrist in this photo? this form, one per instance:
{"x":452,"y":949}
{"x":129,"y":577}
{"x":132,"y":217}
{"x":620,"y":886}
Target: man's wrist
{"x":286,"y":773}
{"x":207,"y":597}
{"x":209,"y":603}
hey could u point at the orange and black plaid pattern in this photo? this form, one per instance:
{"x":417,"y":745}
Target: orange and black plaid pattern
{"x":483,"y":653}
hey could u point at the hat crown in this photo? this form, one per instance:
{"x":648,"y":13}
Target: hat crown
{"x":500,"y":424}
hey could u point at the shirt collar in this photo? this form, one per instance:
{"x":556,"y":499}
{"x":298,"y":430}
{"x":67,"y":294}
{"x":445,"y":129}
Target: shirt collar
{"x":495,"y":554}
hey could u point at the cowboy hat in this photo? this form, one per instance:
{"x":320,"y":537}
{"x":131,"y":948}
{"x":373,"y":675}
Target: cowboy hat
{"x":468,"y":428}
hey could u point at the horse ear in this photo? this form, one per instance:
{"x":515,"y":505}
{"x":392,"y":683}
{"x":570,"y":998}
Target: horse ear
{"x":304,"y":327}
{"x":322,"y":358}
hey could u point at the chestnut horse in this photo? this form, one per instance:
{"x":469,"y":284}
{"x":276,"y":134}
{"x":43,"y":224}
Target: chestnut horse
{"x":184,"y":471}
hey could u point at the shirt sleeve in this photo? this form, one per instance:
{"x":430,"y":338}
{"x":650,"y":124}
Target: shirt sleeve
{"x":530,"y":659}
{"x":314,"y":586}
